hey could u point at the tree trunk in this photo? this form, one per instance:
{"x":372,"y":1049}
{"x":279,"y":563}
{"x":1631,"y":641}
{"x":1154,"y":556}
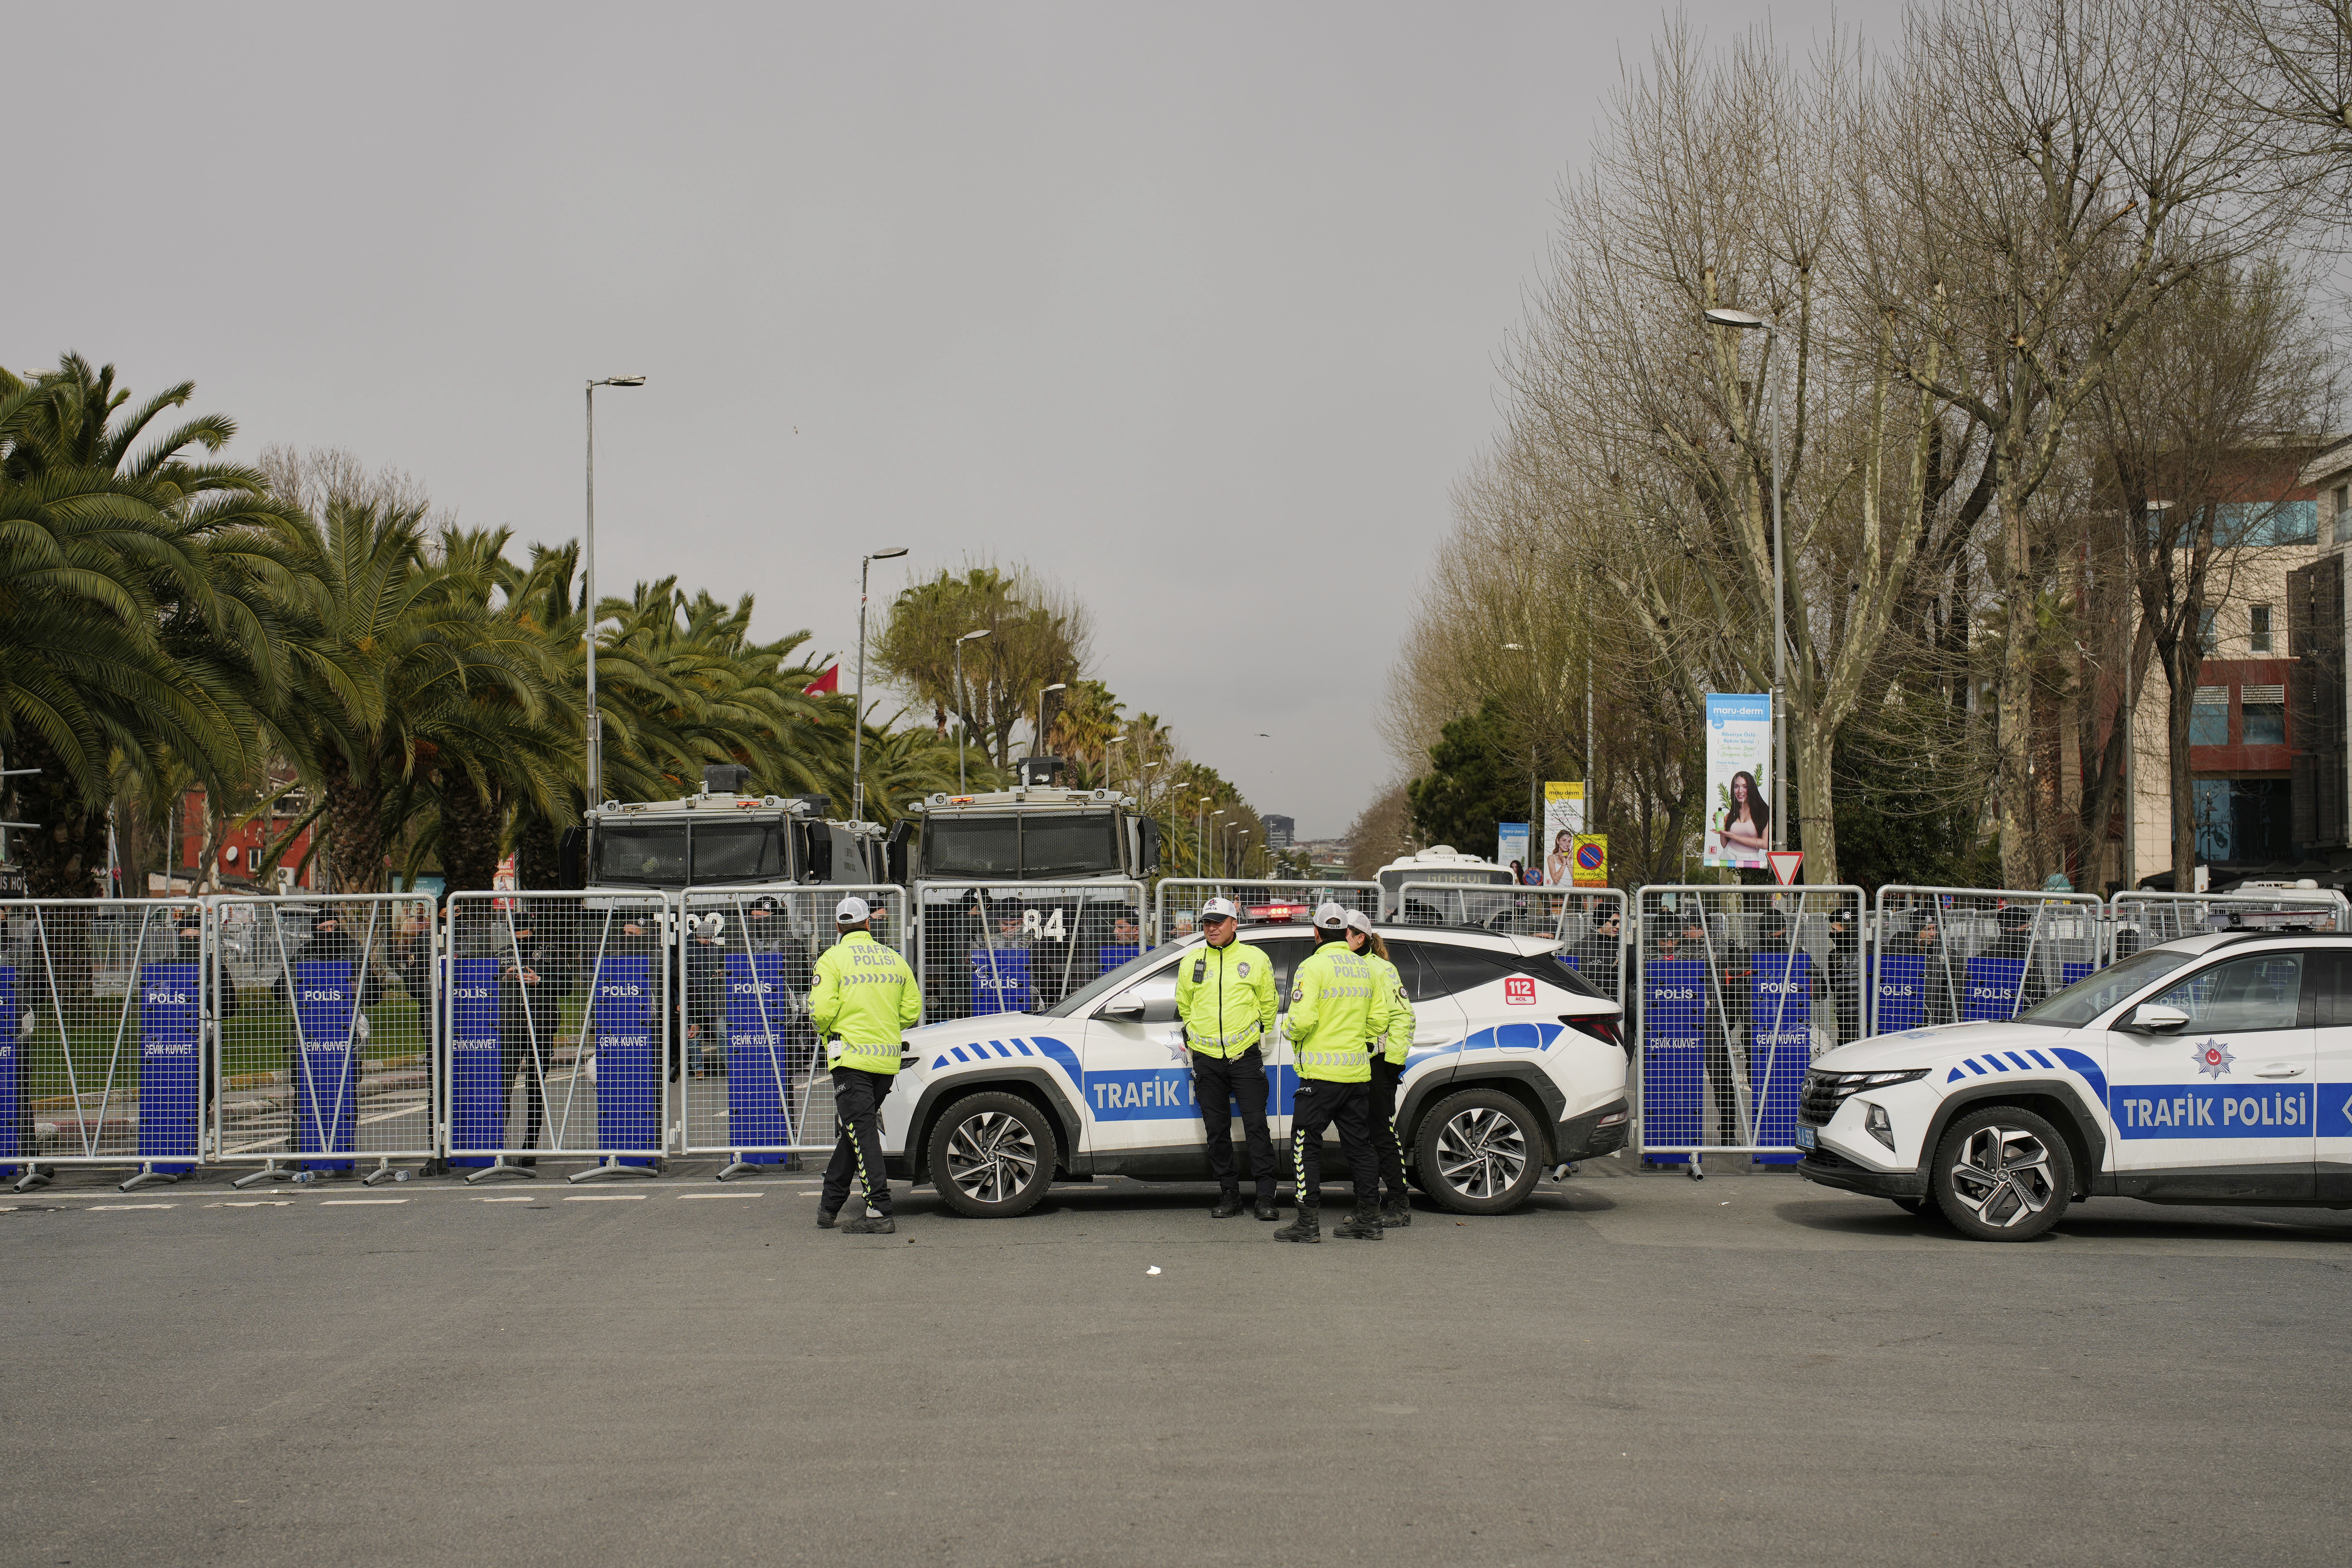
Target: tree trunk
{"x":470,"y":834}
{"x":1814,"y":747}
{"x":354,"y":830}
{"x":2013,"y":729}
{"x":61,"y":856}
{"x":2183,"y":663}
{"x":535,"y":850}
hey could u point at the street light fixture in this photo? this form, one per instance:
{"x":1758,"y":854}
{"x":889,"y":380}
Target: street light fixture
{"x":858,"y":719}
{"x":1740,"y":320}
{"x":593,"y":726}
{"x":963,"y":703}
{"x":1039,"y":748}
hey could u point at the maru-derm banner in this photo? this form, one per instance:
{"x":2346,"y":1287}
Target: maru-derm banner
{"x":1738,"y":779}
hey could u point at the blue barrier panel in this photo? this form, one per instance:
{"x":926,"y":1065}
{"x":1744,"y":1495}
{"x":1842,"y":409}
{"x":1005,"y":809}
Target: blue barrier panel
{"x":1993,"y":985}
{"x":1902,"y":991}
{"x":15,"y":1135}
{"x":1112,"y":957}
{"x":628,"y":1056}
{"x":171,"y":1064}
{"x":1779,"y":1047}
{"x":2070,"y":972}
{"x":478,"y":1080}
{"x":1674,"y":1040}
{"x":1000,"y":980}
{"x":759,"y":1062}
{"x":327,"y":1071}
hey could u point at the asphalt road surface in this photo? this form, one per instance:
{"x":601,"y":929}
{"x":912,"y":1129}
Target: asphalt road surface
{"x":1634,"y":1370}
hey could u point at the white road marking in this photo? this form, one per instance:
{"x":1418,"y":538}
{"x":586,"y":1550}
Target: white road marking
{"x":683,"y":1197}
{"x":95,"y":1207}
{"x":252,"y":1204}
{"x":506,"y":1200}
{"x":605,"y":1198}
{"x":356,"y":1203}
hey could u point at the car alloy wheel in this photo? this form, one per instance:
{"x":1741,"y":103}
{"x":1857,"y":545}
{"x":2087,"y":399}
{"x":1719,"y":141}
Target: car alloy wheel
{"x":2003,"y":1176}
{"x":992,"y":1156}
{"x":1481,"y":1152}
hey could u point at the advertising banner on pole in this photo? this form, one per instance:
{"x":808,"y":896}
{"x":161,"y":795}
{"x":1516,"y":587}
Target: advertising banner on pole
{"x":1738,"y":779}
{"x":1591,"y":854}
{"x":1563,"y":820}
{"x":1511,"y":846}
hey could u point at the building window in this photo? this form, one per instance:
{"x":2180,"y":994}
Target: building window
{"x":2205,"y":640}
{"x":2258,"y":628}
{"x":2209,"y":717}
{"x":2265,"y":715}
{"x":2343,"y":513}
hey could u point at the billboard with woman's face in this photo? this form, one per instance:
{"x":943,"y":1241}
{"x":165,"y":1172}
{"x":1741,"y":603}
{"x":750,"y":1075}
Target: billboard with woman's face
{"x":1738,"y":779}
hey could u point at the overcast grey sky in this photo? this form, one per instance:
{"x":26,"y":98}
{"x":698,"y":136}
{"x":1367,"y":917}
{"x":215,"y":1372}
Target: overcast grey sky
{"x":1196,"y":307}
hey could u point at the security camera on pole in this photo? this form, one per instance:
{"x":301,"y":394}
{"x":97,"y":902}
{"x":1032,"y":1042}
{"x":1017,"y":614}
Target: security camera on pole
{"x":857,"y":721}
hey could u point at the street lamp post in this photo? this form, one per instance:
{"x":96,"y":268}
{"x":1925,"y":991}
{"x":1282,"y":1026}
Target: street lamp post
{"x":1535,"y":785}
{"x":1143,"y":786}
{"x":1057,"y":686}
{"x":592,"y":721}
{"x":858,"y":719}
{"x":1741,"y":320}
{"x":1110,"y":779}
{"x":963,"y":703}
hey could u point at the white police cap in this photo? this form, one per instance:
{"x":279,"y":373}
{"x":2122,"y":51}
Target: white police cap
{"x":1357,"y":920}
{"x":1329,"y":916}
{"x":1221,"y":910}
{"x":851,"y":910}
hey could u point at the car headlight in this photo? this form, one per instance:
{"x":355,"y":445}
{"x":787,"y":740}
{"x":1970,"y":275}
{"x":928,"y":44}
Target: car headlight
{"x":1874,"y":1122}
{"x":1835,"y":1088}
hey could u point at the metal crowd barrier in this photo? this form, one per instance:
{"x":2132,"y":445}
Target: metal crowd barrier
{"x":1740,"y":988}
{"x":1589,"y":924}
{"x":558,"y":1006}
{"x":105,"y":1035}
{"x":1019,"y":947}
{"x":1945,"y":955}
{"x":325,"y":1043}
{"x":1176,"y":901}
{"x":755,"y":1085}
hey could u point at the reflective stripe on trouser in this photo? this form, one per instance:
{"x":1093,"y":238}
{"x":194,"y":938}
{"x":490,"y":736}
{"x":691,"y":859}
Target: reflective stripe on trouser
{"x":857,"y":1098}
{"x":1381,"y":1110}
{"x":1345,"y":1106}
{"x":1218,"y":1084}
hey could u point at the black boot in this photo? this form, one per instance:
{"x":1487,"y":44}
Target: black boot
{"x":824,"y":1218}
{"x":1364,"y":1224}
{"x":1307,"y":1226}
{"x":1264,"y":1209}
{"x":872,"y":1224}
{"x":1229,"y":1203}
{"x":1397,"y":1212}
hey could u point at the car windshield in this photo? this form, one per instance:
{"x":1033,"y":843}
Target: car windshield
{"x":2095,"y":993}
{"x":648,"y":854}
{"x":1029,"y":847}
{"x":737,"y":852}
{"x":1102,"y":985}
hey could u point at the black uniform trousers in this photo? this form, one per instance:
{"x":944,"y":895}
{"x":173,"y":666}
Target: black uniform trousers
{"x":1346,"y":1106}
{"x":516,"y":1056}
{"x":1219,"y":1084}
{"x":1382,"y":1113}
{"x":857,"y":1097}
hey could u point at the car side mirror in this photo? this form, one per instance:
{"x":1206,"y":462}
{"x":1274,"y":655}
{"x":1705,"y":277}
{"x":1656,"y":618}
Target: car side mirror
{"x":2152,"y":1018}
{"x":1123,"y":1013}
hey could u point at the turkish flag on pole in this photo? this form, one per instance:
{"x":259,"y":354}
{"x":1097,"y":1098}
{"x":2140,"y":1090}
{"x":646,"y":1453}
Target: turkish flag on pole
{"x":829,"y":682}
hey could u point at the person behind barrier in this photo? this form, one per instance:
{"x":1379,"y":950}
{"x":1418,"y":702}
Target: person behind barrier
{"x":1392,"y":1043}
{"x":1334,"y":1011}
{"x":1598,"y":955}
{"x":530,"y":1009}
{"x":332,"y":941}
{"x":1224,"y":997}
{"x":706,"y":990}
{"x":863,"y":1001}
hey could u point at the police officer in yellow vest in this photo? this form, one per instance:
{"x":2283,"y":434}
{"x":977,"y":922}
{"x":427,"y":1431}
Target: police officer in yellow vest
{"x":1224,"y":995}
{"x":1337,"y":1005}
{"x":864,"y":998}
{"x":1389,"y":1052}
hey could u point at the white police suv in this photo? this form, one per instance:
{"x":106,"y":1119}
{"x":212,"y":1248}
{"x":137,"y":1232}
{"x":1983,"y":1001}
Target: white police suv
{"x":2215,"y":1070}
{"x":1517,"y":1066}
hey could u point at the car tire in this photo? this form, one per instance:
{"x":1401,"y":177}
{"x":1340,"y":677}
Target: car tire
{"x":2001,"y":1174}
{"x":1479,"y":1151}
{"x":992,"y":1154}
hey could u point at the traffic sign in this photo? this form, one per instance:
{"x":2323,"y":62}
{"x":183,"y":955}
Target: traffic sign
{"x":1592,"y":867}
{"x":1785,"y":863}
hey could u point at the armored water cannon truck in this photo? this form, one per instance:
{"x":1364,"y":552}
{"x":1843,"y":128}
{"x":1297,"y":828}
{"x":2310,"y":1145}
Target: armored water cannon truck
{"x":720,"y":838}
{"x":1027,"y":893}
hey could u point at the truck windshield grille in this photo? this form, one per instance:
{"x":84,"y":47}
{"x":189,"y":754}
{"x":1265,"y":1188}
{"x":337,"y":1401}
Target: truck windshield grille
{"x":1033,"y":848}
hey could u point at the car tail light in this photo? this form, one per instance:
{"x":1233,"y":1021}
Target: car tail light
{"x":1600,"y":1029}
